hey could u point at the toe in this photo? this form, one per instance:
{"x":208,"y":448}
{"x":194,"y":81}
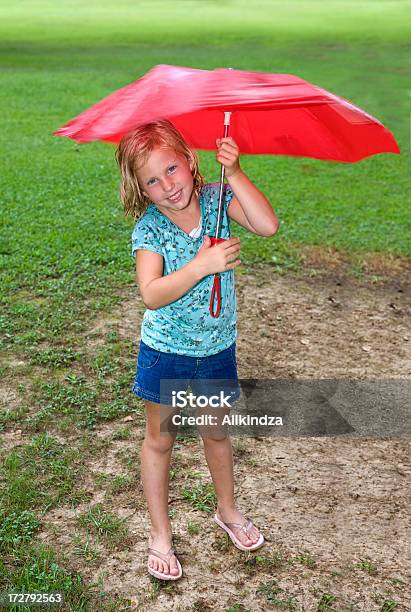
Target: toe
{"x":164,"y":568}
{"x":173,"y":566}
{"x":244,"y":539}
{"x":254,"y":535}
{"x":251,"y":539}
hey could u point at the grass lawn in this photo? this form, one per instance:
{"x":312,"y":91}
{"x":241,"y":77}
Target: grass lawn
{"x":64,"y":241}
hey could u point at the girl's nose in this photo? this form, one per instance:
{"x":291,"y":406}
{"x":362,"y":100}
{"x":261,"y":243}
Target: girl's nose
{"x":168,"y":184}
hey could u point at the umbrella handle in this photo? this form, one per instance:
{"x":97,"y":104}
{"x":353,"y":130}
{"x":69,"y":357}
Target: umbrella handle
{"x":216,"y":290}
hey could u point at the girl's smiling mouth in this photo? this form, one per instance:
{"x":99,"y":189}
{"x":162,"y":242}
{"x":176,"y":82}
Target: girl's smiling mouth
{"x":176,"y":197}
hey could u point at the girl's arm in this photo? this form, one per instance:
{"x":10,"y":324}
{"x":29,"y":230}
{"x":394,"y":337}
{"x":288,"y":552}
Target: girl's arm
{"x":249,"y":207}
{"x":158,"y":290}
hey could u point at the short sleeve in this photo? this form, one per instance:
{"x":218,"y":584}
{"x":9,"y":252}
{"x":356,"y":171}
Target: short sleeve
{"x":212,"y":191}
{"x":228,"y":195}
{"x":145,"y":237}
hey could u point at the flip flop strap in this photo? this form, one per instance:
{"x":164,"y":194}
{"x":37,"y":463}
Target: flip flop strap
{"x":163,"y":556}
{"x":246,"y":526}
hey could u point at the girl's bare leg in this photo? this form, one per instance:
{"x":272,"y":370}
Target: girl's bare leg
{"x":219,"y":456}
{"x":155,"y":474}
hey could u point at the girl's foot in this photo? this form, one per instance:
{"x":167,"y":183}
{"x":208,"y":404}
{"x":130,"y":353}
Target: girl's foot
{"x":233,"y":516}
{"x":162,"y":543}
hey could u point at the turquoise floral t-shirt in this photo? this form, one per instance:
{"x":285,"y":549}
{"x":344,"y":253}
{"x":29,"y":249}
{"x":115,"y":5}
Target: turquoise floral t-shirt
{"x":185,"y":326}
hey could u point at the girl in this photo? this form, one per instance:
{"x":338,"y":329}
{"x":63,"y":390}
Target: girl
{"x":162,"y":187}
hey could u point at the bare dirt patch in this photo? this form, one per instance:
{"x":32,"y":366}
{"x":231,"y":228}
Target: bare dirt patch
{"x":333,"y":510}
{"x":325,"y":326}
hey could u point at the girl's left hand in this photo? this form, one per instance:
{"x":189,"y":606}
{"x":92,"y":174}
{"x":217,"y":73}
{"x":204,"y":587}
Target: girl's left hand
{"x":228,"y":154}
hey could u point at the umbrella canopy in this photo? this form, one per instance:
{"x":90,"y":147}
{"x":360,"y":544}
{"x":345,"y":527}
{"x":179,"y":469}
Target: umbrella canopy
{"x":277,"y":114}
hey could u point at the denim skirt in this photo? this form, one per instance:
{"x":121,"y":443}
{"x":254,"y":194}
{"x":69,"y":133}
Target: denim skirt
{"x":160,"y":376}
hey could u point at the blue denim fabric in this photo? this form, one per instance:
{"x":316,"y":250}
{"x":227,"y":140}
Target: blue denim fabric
{"x":154,"y":366}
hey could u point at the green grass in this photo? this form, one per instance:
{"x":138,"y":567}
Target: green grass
{"x":193,"y":528}
{"x":78,"y":400}
{"x":103,"y":523}
{"x":367,"y":566}
{"x":198,"y":21}
{"x":84,"y":548}
{"x":201,"y":496}
{"x":124,"y":433}
{"x":38,"y":475}
{"x":262,"y":563}
{"x":274,"y":594}
{"x":37,"y":570}
{"x":65,"y":244}
{"x":325,"y":603}
{"x":389,"y":605}
{"x":17,"y":528}
{"x":305,"y":558}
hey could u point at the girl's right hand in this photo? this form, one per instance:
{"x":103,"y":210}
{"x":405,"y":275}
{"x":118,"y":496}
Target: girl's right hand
{"x":218,"y":258}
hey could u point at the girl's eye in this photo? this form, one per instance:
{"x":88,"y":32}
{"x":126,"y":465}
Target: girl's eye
{"x":151,"y":182}
{"x":172,"y":168}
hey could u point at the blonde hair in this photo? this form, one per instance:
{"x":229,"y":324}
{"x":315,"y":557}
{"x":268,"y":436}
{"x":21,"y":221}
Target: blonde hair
{"x":133,"y":152}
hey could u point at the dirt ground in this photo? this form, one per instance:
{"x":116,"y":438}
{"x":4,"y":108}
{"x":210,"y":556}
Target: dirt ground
{"x":333,"y":510}
{"x":325,"y":325}
{"x":341,"y":502}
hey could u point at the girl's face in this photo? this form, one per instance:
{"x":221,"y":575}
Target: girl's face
{"x":166,"y":180}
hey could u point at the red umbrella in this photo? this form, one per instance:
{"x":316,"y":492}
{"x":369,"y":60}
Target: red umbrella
{"x":277,"y":114}
{"x":308,"y":121}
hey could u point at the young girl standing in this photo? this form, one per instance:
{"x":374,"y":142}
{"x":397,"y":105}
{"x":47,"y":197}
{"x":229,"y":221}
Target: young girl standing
{"x":162,"y":187}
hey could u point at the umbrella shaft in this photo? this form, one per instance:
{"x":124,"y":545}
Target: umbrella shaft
{"x":220,"y":194}
{"x":220,"y":199}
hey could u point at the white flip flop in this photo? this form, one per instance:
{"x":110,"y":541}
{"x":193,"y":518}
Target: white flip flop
{"x":164,"y":557}
{"x":245,"y":527}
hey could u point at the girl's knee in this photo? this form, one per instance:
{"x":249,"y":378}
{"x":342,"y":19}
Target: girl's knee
{"x":210,"y":435}
{"x":160,"y":442}
{"x":159,"y":421}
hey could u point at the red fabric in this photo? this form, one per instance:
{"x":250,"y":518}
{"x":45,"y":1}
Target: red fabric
{"x":278,"y":114}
